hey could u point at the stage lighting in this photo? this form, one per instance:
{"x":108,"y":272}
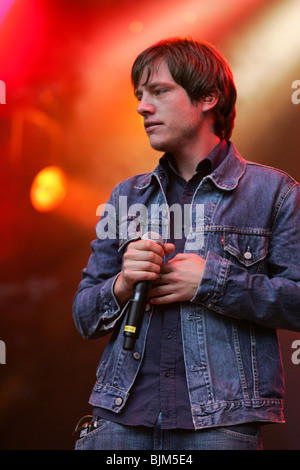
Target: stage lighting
{"x":48,"y":189}
{"x":189,"y":16}
{"x":136,"y":27}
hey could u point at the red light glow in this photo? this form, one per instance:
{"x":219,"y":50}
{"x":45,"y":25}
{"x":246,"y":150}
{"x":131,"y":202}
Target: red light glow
{"x":19,"y":52}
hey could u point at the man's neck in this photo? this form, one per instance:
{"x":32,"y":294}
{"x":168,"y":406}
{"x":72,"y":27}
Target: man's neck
{"x":187,"y":160}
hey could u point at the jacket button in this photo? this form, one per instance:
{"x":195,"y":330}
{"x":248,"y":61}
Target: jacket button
{"x":118,"y":401}
{"x":247,"y":255}
{"x":136,"y":355}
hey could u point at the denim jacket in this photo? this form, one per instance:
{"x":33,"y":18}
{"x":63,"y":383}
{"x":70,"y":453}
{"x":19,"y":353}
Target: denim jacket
{"x":244,"y":221}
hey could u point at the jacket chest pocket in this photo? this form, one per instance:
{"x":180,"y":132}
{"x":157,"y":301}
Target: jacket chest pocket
{"x":246,"y":249}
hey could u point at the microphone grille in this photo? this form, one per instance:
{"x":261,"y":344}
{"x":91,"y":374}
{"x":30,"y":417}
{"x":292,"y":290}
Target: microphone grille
{"x":156,"y":237}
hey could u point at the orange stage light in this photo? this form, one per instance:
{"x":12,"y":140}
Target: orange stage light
{"x":48,"y":189}
{"x":135,"y":27}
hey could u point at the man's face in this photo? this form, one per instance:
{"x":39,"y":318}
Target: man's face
{"x":172,"y":122}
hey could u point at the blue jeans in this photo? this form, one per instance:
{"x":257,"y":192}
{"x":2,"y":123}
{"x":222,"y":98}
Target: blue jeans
{"x":113,"y":436}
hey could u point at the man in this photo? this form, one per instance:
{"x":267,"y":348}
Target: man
{"x":205,"y":372}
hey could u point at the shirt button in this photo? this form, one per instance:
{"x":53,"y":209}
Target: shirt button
{"x":147,"y":307}
{"x":169,"y":336}
{"x":247,"y":255}
{"x":167,"y":374}
{"x":118,"y":401}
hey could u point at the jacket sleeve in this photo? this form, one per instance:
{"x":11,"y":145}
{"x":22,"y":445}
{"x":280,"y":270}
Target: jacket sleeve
{"x":95,"y":308}
{"x":272,"y":299}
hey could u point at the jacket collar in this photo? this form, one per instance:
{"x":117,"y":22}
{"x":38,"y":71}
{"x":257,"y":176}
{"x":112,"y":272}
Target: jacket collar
{"x":226,"y":176}
{"x":230,"y":171}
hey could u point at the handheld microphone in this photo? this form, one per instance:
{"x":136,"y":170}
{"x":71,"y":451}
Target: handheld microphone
{"x":138,"y":303}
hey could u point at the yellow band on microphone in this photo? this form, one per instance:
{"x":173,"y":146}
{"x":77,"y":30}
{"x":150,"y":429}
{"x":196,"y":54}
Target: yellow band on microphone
{"x":130,"y":329}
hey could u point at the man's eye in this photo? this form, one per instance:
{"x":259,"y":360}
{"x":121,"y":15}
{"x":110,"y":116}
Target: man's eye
{"x":159,"y":91}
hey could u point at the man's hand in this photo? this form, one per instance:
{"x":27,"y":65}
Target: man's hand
{"x":141,"y":262}
{"x":179,"y":279}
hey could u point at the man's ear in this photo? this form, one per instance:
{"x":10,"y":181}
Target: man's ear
{"x":209,"y":101}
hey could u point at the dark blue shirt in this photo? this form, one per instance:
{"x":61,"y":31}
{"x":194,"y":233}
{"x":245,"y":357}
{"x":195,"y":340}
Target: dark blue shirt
{"x":161,"y":383}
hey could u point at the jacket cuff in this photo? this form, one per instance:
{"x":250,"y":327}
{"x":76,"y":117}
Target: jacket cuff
{"x":107,"y":300}
{"x":103,"y":300}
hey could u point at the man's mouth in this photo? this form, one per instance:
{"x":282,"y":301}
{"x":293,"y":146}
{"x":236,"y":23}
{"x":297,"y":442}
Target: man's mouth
{"x":151,"y":125}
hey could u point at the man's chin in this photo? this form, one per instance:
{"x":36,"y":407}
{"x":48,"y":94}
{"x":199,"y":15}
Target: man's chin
{"x":159,"y":146}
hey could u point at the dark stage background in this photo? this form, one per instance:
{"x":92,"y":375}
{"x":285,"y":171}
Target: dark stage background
{"x":66,"y":102}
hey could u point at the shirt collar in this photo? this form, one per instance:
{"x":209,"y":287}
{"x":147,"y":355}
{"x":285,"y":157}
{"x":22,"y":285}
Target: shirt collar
{"x":205,"y":166}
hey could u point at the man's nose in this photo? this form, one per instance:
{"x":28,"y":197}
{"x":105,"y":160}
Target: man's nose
{"x":145,"y":107}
